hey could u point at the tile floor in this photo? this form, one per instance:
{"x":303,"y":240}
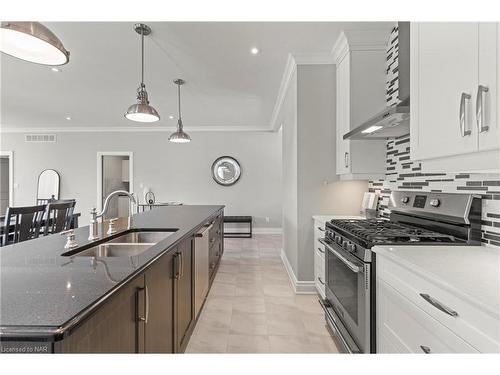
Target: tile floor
{"x":252,"y":308}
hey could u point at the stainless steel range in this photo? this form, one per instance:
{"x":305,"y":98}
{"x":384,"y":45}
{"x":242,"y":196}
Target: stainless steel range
{"x":416,"y":219}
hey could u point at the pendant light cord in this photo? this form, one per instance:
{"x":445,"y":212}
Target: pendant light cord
{"x":142,"y":57}
{"x":179,"y":95}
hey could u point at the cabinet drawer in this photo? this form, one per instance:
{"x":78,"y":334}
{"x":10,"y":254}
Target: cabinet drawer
{"x":319,"y":229}
{"x":402,"y":327}
{"x":319,"y":275}
{"x":319,"y":250}
{"x":216,"y":229}
{"x":215,"y":253}
{"x":477,"y":327}
{"x":319,"y":265}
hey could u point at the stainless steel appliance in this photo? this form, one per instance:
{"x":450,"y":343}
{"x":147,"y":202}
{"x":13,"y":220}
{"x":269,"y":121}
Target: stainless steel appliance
{"x":417,"y":218}
{"x":394,"y":120}
{"x":201,"y":268}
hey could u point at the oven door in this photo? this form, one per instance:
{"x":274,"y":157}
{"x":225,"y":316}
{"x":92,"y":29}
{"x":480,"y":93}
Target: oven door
{"x":347,"y":288}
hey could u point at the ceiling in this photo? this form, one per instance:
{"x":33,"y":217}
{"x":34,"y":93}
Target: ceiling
{"x":227,"y":87}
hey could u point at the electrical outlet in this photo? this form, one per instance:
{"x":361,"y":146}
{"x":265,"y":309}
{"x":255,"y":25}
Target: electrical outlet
{"x":267,"y":219}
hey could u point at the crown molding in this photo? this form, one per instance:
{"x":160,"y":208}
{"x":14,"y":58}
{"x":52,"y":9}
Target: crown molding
{"x":145,"y":129}
{"x":313,"y":58}
{"x":359,"y":40}
{"x":290,"y":68}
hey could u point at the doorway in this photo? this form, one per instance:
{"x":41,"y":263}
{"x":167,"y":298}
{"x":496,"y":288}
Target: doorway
{"x":114,"y":172}
{"x":6,"y":181}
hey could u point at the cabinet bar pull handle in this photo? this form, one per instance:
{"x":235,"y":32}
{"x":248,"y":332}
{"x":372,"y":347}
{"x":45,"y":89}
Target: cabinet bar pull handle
{"x":346,"y":159}
{"x":321,"y":251}
{"x":425,"y":349}
{"x":147,"y":305}
{"x":177,"y":273}
{"x":462,"y":115}
{"x":182,"y":265}
{"x":321,"y":281}
{"x":438,"y":305}
{"x":140,"y":318}
{"x":480,"y":113}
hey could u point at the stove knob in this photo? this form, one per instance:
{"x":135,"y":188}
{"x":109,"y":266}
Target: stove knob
{"x":344,"y":244}
{"x":338,"y":239}
{"x":435,"y":202}
{"x":405,"y":200}
{"x":351,"y":247}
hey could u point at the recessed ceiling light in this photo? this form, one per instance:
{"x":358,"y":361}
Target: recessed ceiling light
{"x":68,"y":118}
{"x":254,"y":51}
{"x":171,"y":117}
{"x":54,"y":69}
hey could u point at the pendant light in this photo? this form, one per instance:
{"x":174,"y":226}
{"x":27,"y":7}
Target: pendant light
{"x":32,"y":41}
{"x":142,"y":111}
{"x":179,"y":136}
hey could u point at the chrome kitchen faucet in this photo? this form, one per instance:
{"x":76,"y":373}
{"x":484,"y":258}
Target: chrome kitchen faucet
{"x":93,"y":229}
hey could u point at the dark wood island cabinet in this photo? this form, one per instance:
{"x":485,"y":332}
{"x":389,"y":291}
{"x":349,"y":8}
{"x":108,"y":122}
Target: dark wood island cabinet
{"x":152,"y":312}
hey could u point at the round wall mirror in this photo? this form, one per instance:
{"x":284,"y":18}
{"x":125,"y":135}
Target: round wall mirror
{"x":226,"y":171}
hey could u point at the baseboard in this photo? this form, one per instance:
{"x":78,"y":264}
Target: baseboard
{"x":267,"y":230}
{"x":300,"y":287}
{"x":256,"y":230}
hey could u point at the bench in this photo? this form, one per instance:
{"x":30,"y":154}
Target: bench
{"x":238,"y":220}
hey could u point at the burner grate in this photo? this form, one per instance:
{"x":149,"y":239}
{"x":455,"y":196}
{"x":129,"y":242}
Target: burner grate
{"x":384,"y":231}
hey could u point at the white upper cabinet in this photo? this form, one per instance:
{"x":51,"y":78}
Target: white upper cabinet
{"x":360,"y":64}
{"x":343,"y":149}
{"x":454,"y":74}
{"x":489,"y":76}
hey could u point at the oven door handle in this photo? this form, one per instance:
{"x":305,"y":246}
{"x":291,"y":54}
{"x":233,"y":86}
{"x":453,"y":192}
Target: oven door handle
{"x":344,"y":260}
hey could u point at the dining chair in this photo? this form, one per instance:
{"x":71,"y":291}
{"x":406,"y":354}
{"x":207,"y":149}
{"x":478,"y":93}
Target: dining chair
{"x":40,"y":201}
{"x":22,"y":223}
{"x":58,"y":216}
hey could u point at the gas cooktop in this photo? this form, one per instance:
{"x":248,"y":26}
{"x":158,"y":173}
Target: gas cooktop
{"x":379,"y":231}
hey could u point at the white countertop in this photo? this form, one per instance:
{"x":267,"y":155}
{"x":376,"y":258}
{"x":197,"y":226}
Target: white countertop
{"x":325,"y":218}
{"x":470,"y":272}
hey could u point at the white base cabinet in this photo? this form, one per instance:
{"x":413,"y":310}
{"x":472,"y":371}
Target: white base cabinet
{"x":414,"y":315}
{"x":454,"y":102}
{"x":319,"y":258}
{"x":402,"y":327}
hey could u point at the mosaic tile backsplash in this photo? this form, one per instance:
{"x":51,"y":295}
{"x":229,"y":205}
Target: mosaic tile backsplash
{"x":403,"y":174}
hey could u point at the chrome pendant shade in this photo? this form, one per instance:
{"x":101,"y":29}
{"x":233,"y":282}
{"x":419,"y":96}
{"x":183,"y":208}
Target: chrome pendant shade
{"x":179,"y":136}
{"x":33,"y":42}
{"x":142,"y":111}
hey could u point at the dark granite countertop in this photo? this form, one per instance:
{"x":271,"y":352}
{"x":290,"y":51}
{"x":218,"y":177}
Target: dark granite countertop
{"x":44,"y":294}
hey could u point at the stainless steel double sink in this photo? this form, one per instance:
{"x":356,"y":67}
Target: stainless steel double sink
{"x":128,"y":244}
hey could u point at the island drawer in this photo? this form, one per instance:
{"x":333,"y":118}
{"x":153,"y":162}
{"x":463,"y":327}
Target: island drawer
{"x":216,"y":230}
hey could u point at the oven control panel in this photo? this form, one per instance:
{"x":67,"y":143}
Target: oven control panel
{"x":430,"y":203}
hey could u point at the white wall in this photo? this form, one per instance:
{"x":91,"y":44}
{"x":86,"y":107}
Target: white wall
{"x":4,"y":184}
{"x":310,"y":184}
{"x":175,"y":172}
{"x":288,"y":121}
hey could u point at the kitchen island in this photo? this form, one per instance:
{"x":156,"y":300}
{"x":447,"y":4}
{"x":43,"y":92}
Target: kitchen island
{"x":55,"y":300}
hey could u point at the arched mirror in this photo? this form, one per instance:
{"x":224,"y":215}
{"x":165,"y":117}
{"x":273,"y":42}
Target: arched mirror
{"x":226,"y":171}
{"x":48,"y":185}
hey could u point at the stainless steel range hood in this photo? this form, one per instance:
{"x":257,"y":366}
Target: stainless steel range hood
{"x":394,"y":120}
{"x":391,"y":122}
